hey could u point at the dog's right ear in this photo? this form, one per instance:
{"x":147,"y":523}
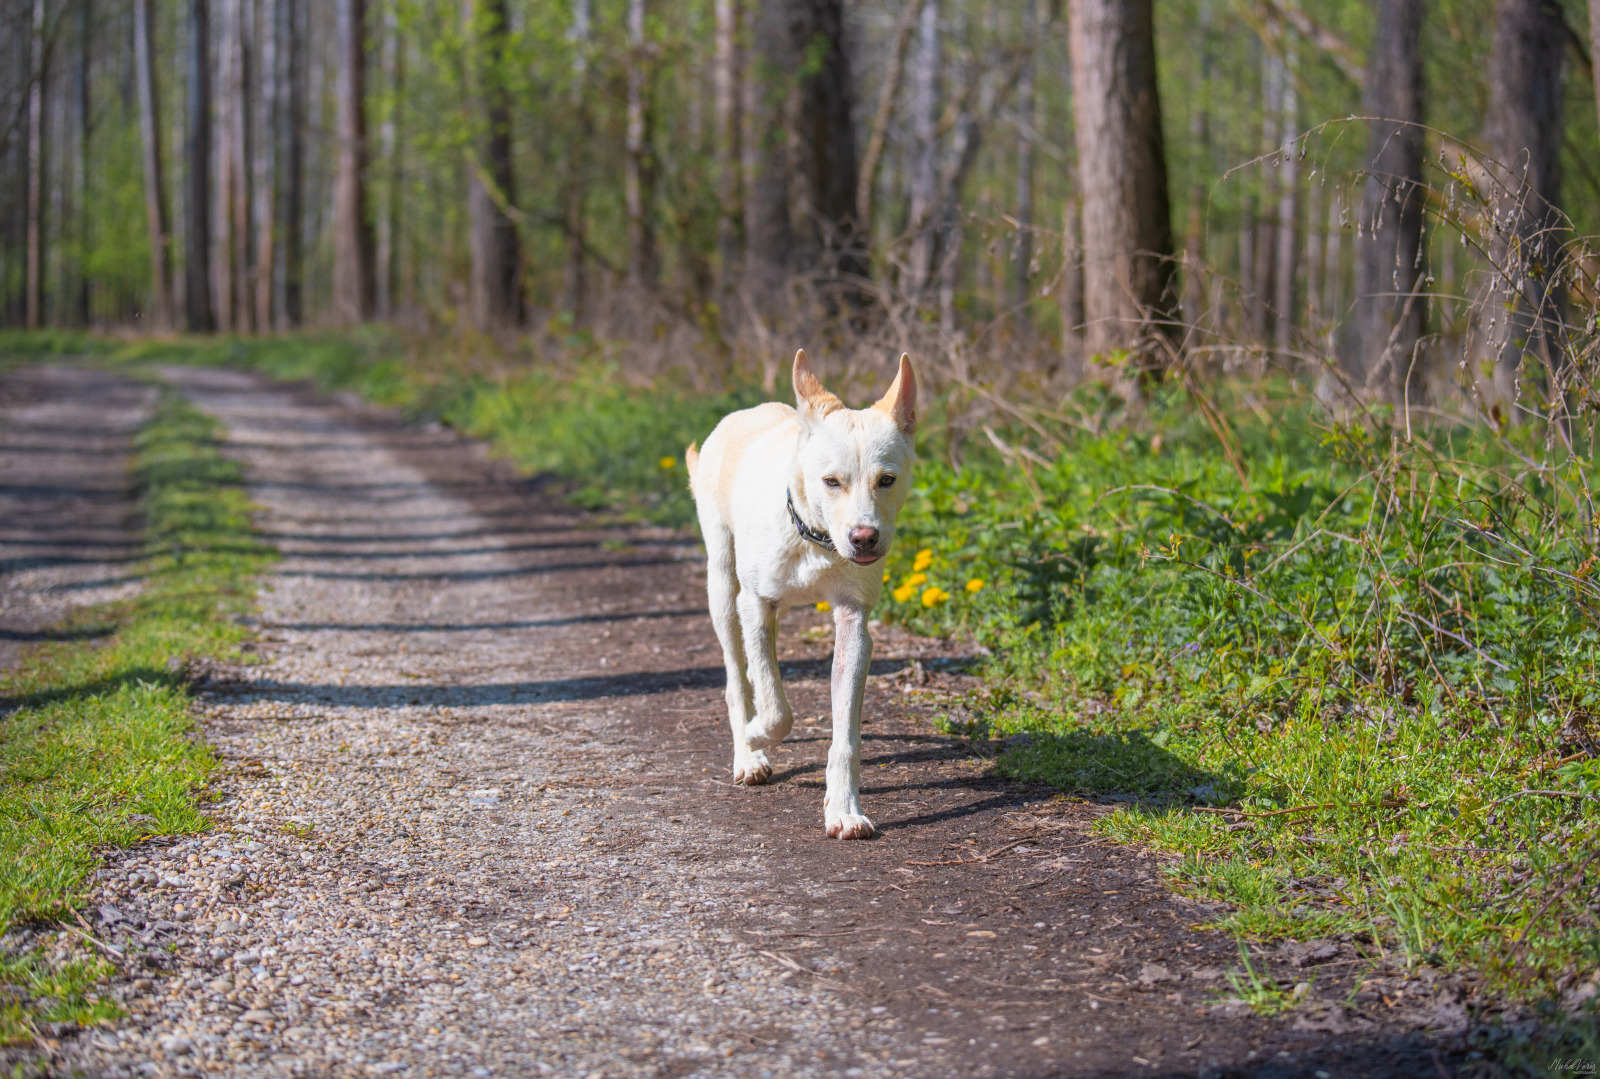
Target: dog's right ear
{"x":813,"y":401}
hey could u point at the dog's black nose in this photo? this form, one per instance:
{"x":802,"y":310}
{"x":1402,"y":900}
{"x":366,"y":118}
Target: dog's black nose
{"x":864,"y":538}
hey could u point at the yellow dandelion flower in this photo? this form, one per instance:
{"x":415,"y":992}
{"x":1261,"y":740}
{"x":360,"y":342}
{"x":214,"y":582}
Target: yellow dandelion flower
{"x":824,"y":605}
{"x":916,"y":579}
{"x":668,"y":462}
{"x":933,"y":596}
{"x":975,"y":585}
{"x":904,"y":593}
{"x":923,"y":560}
{"x":885,"y":576}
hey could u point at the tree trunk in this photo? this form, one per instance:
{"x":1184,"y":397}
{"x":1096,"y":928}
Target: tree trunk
{"x":1194,"y":245}
{"x":1386,"y":321}
{"x":639,"y":167}
{"x":200,"y":315}
{"x":1522,"y":132}
{"x":1266,"y":233}
{"x":1594,"y":47}
{"x":577,"y":284}
{"x":222,"y":122}
{"x":885,"y":109}
{"x":923,"y":105}
{"x":800,"y":188}
{"x":85,"y":46}
{"x":264,"y":187}
{"x":393,"y":137}
{"x":726,"y":78}
{"x":1127,"y":227}
{"x":1023,"y":255}
{"x":293,"y":153}
{"x":35,"y":242}
{"x":1288,"y":209}
{"x":155,"y":192}
{"x":496,"y":259}
{"x":353,"y":285}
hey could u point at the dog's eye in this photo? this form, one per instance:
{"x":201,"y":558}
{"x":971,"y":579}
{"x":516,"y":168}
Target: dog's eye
{"x":885,"y":481}
{"x":831,"y":481}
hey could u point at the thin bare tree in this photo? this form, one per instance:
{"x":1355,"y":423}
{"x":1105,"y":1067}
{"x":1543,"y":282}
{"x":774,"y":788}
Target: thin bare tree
{"x":496,"y":284}
{"x":199,"y":313}
{"x":726,"y":68}
{"x":579,"y":36}
{"x":354,"y":289}
{"x":155,"y":191}
{"x":292,"y":153}
{"x":34,"y":270}
{"x":639,"y":165}
{"x":263,"y":185}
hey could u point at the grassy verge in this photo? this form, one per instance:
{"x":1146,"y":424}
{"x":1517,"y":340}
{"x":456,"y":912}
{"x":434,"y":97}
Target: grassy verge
{"x":1351,"y":680}
{"x":97,"y":748}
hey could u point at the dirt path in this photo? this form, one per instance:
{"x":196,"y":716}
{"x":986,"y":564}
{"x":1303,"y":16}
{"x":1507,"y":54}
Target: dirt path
{"x":476,"y":819}
{"x":67,"y":527}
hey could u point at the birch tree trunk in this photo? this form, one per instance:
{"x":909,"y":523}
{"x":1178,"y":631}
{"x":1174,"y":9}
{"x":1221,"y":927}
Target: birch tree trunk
{"x":639,"y":169}
{"x":1127,"y":226}
{"x":495,"y":252}
{"x":725,"y":76}
{"x":199,"y":314}
{"x":34,"y":269}
{"x":155,"y":192}
{"x":1522,"y":132}
{"x":353,"y":285}
{"x":263,"y":186}
{"x":1266,"y":233}
{"x":1386,"y":322}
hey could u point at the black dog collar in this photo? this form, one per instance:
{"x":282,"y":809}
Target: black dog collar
{"x":821,"y":539}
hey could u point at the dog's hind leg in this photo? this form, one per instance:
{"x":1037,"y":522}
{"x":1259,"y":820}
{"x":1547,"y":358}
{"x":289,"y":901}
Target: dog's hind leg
{"x":722,"y":590}
{"x":773,"y":719}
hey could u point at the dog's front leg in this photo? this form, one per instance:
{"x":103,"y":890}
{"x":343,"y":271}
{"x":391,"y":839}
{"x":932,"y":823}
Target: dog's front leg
{"x":852,"y":654}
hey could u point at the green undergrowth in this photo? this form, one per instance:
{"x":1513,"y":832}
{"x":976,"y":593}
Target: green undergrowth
{"x":1349,"y":681}
{"x":97,"y":749}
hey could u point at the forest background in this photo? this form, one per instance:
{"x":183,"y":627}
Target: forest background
{"x":1258,"y":342}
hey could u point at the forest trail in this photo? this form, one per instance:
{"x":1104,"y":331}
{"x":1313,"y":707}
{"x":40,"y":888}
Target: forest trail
{"x":475,"y":818}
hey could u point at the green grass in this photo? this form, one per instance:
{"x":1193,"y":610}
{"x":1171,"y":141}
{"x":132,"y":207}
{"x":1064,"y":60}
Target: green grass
{"x":98,"y":749}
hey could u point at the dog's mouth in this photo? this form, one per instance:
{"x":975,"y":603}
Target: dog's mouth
{"x":865,"y":559}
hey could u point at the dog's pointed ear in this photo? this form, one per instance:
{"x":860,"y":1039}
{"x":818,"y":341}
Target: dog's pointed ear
{"x":812,"y":400}
{"x":901,"y":400}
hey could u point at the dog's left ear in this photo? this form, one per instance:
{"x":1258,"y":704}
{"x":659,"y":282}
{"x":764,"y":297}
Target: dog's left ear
{"x":901,"y":400}
{"x":814,"y":401}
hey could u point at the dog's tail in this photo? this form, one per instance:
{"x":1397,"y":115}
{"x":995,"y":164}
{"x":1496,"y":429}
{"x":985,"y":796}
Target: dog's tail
{"x":691,"y":458}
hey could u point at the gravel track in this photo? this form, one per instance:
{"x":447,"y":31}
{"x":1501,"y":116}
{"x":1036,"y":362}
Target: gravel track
{"x":475,"y":819}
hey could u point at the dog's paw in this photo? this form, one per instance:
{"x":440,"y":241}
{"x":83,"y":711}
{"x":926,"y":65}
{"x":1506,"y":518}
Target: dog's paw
{"x":752,"y":769}
{"x":849,"y":826}
{"x":764,"y":733}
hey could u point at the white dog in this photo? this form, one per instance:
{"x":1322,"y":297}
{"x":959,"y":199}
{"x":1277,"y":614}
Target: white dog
{"x":797,"y":506}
